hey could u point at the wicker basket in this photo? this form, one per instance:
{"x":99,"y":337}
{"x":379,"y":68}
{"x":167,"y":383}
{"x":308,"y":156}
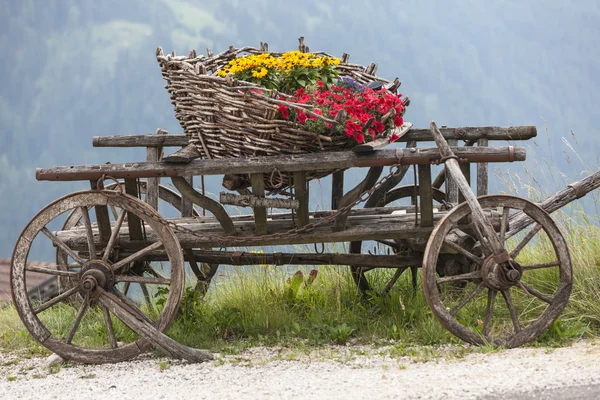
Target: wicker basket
{"x":224,"y":118}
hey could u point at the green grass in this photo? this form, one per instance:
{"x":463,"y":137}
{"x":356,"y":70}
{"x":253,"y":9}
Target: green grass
{"x":256,"y":306}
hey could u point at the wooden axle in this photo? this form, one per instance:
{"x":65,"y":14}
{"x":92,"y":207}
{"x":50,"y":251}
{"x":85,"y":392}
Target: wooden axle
{"x":288,"y":163}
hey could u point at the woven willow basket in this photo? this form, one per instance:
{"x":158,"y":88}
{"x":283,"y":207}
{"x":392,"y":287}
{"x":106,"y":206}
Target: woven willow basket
{"x":225,"y":118}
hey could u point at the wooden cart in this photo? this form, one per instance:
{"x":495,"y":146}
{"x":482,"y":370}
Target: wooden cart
{"x":110,"y":239}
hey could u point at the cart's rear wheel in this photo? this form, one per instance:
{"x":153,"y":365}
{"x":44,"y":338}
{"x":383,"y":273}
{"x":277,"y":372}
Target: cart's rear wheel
{"x":364,"y":277}
{"x":534,"y":285}
{"x":203,"y":273}
{"x":89,"y":333}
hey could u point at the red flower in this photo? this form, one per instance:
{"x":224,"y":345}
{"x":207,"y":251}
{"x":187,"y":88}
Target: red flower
{"x":394,"y":137}
{"x":301,"y":117}
{"x":316,"y":111}
{"x":359,"y":137}
{"x":398,"y":120}
{"x":379,"y":127}
{"x":285,"y":112}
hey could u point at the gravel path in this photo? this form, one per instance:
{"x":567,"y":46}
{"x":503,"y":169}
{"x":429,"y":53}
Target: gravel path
{"x":338,"y":373}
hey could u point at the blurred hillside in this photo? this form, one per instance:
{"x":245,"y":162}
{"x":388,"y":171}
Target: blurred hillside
{"x":73,"y":69}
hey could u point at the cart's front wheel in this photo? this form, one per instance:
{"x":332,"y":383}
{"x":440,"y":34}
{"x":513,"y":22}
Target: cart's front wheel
{"x":533,"y":285}
{"x":90,"y":333}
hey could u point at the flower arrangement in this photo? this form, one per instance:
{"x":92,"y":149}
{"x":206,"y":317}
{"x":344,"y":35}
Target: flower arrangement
{"x":287,"y":73}
{"x":368,"y":112}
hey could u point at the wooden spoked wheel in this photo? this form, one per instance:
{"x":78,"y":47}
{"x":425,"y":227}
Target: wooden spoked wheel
{"x":96,"y":271}
{"x":533,"y":285}
{"x":379,"y":279}
{"x":203,"y":273}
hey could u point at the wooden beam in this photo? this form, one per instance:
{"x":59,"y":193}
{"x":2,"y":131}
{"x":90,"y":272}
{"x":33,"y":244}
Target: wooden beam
{"x":288,"y":163}
{"x":133,"y":221}
{"x":451,"y":186}
{"x":425,"y":196}
{"x":482,"y":171}
{"x":154,"y":154}
{"x":302,"y":195}
{"x":102,"y":217}
{"x":260,"y":214}
{"x":337,"y":189}
{"x":417,"y":134}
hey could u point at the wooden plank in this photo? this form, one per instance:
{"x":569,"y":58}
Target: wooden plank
{"x":417,"y":134}
{"x":302,"y":195}
{"x":367,"y":183}
{"x":425,"y":196}
{"x":451,"y":186}
{"x":482,"y":172}
{"x":187,"y":208}
{"x":102,"y":218}
{"x":337,"y":189}
{"x":288,"y":163}
{"x":466,"y":171}
{"x":260,"y":214}
{"x":133,"y":221}
{"x":185,"y":155}
{"x":153,"y":154}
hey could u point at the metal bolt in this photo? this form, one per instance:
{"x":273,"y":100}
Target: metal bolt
{"x":513,"y":275}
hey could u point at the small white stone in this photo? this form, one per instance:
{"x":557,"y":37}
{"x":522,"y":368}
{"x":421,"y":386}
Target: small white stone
{"x":53,"y":360}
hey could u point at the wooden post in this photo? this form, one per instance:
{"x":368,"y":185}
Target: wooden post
{"x":187,"y":207}
{"x":482,"y":171}
{"x":451,"y":186}
{"x":154,"y":154}
{"x":425,"y":195}
{"x":260,"y":213}
{"x":102,"y":217}
{"x":465,"y":167}
{"x":133,"y":221}
{"x":337,"y":189}
{"x":301,"y":189}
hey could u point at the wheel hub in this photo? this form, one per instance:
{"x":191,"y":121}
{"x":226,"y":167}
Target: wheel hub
{"x":96,"y":274}
{"x":501,"y":276}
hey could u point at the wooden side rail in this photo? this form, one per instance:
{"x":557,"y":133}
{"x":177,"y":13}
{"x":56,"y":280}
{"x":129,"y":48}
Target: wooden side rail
{"x":416,"y":134}
{"x":289,"y":163}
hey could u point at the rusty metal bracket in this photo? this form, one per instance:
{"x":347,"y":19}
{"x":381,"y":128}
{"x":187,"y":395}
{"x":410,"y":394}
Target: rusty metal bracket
{"x":578,"y":188}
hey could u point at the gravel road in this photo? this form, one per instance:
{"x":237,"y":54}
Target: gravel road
{"x":350,"y":372}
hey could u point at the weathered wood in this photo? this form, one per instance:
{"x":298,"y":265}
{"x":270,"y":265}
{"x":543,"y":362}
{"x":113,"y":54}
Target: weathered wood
{"x":417,"y":134}
{"x":337,"y":189}
{"x":425,"y":196}
{"x":187,"y":207}
{"x":260,"y":214}
{"x":350,"y":197}
{"x":245,"y":200}
{"x":382,"y":142}
{"x":148,"y":331}
{"x":482,"y":171}
{"x":133,"y":221}
{"x":302,"y":195}
{"x":574,"y":191}
{"x":102,"y":217}
{"x":211,"y":234}
{"x":215,"y":208}
{"x":451,"y":186}
{"x":465,"y":168}
{"x":479,"y":218}
{"x":248,"y":258}
{"x":185,"y":155}
{"x":154,"y":154}
{"x":288,"y":163}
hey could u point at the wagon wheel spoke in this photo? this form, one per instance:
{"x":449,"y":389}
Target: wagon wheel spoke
{"x":88,"y":231}
{"x":504,"y":223}
{"x":142,"y":280}
{"x":82,"y":309}
{"x":60,"y":244}
{"x":483,"y":241}
{"x":511,"y":310}
{"x":147,"y":298}
{"x":52,"y":271}
{"x":541,"y":265}
{"x":126,"y":288}
{"x":137,"y":255}
{"x":132,"y":306}
{"x":533,"y":292}
{"x":467,"y":298}
{"x":469,"y":276}
{"x":112,"y":339}
{"x":56,"y":300}
{"x":487,"y":322}
{"x":113,"y":236}
{"x":464,"y":252}
{"x":515,"y":253}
